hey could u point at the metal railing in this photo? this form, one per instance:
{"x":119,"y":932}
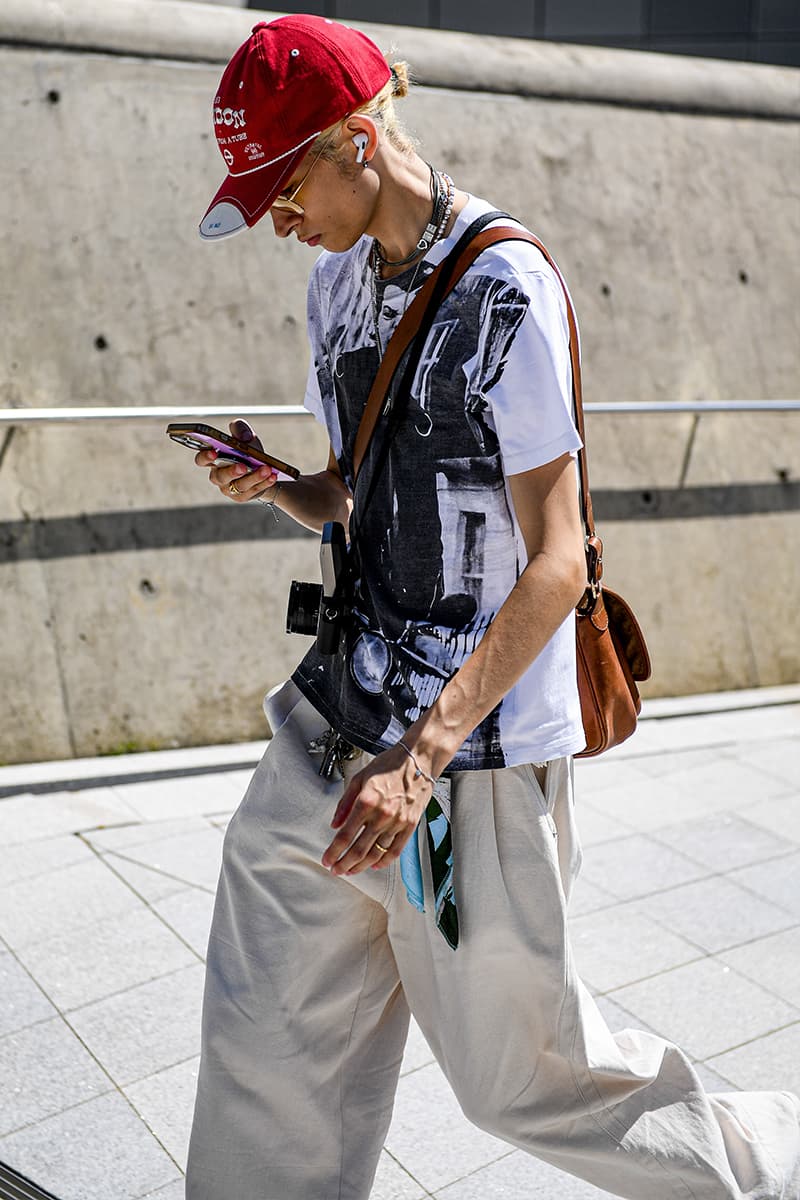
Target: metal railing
{"x":32,"y":416}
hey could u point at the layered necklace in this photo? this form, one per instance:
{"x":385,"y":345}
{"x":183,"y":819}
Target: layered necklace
{"x":442,"y":197}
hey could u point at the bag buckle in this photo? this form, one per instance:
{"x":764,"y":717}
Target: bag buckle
{"x":594,"y":573}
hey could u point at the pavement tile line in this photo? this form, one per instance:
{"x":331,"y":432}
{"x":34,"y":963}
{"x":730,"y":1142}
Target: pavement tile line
{"x":65,"y":1013}
{"x":615,"y":901}
{"x":704,"y":955}
{"x":714,"y":952}
{"x":774,"y":858}
{"x":703,"y":952}
{"x":112,"y":854}
{"x":752,"y":1041}
{"x":113,"y":1089}
{"x":149,"y":830}
{"x":658,"y":835}
{"x":113,"y":1086}
{"x":423,"y":1190}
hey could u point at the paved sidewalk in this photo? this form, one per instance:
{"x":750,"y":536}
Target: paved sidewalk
{"x":686,"y":920}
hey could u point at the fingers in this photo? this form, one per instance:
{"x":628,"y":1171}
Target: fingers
{"x":372,"y":830}
{"x":248,"y":484}
{"x":245,"y":432}
{"x":345,"y":805}
{"x":355,"y":840}
{"x":242,"y":485}
{"x":370,"y":851}
{"x":238,"y":482}
{"x":371,"y":848}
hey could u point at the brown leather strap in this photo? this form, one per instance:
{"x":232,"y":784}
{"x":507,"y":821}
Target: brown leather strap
{"x":396,"y":347}
{"x":409,"y":324}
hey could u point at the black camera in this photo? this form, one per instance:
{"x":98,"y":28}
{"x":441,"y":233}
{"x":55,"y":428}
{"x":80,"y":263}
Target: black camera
{"x":323,"y":610}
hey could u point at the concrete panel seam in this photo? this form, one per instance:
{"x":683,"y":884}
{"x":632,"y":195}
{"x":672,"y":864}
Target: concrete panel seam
{"x":687,"y":455}
{"x":6,"y":443}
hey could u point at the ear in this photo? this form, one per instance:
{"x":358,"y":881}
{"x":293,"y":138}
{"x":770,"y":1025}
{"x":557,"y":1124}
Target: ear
{"x":363,"y":132}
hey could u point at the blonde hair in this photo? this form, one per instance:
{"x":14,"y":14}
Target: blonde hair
{"x":382,"y":111}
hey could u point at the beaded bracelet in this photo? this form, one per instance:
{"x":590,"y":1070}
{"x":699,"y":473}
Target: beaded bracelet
{"x":419,"y":771}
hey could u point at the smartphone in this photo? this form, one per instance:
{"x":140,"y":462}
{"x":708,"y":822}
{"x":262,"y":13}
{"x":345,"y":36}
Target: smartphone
{"x":229,"y":449}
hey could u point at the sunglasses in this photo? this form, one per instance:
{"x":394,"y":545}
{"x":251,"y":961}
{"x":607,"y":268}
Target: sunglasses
{"x":289,"y":203}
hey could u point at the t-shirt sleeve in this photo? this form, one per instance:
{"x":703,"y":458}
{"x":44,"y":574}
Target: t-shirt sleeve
{"x":312,"y":400}
{"x":318,"y":378}
{"x":313,"y":396}
{"x":531,"y":400}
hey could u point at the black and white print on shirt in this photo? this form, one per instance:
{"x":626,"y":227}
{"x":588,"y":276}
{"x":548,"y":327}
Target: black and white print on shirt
{"x":438,"y":548}
{"x":436,"y":539}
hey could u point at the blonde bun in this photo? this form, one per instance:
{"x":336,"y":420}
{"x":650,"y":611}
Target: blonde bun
{"x":400,"y":80}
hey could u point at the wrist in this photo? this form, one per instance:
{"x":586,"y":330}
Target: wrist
{"x":270,"y":495}
{"x":431,"y":744}
{"x":419,"y":767}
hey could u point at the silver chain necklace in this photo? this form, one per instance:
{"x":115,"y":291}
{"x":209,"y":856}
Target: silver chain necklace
{"x":440,"y":188}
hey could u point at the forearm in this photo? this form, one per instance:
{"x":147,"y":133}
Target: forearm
{"x":313,"y":499}
{"x":544,"y":595}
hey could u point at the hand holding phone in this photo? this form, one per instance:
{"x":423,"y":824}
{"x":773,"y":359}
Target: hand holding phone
{"x":229,"y":449}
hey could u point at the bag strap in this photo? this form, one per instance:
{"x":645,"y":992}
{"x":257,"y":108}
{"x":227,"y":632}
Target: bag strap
{"x":425,"y":303}
{"x":455,"y":265}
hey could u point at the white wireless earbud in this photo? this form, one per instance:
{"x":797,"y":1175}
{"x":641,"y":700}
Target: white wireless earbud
{"x":361,"y":141}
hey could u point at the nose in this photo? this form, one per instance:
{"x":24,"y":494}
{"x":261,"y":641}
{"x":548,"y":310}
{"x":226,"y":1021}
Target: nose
{"x":284,"y":222}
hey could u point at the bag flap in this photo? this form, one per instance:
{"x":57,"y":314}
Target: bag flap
{"x":625,"y":628}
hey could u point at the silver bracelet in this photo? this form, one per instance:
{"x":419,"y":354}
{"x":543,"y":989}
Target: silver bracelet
{"x":419,"y":771}
{"x":271,"y":503}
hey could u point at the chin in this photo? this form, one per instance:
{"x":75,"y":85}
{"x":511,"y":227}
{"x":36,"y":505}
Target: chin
{"x":338,"y":243}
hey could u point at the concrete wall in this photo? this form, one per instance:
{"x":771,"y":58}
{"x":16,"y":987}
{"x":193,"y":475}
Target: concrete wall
{"x":137,"y":608}
{"x":753,"y":31}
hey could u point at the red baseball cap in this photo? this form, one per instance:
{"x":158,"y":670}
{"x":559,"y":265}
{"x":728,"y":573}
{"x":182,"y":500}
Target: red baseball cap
{"x":291,"y":79}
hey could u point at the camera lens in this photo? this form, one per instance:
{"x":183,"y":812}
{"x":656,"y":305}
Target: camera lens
{"x":302,"y":613}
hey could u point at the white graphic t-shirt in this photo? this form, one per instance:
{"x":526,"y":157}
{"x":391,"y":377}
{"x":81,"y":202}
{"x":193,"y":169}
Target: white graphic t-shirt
{"x":439,"y":546}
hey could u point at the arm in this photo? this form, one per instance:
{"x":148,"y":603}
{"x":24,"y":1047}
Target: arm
{"x":312,"y":499}
{"x":549,"y":588}
{"x":385,"y":798}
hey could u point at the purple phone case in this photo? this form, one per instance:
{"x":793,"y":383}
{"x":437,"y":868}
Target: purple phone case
{"x":204,"y":441}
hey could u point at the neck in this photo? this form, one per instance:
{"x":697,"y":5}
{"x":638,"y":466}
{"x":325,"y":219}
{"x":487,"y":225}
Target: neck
{"x":404,"y":205}
{"x":403,"y":209}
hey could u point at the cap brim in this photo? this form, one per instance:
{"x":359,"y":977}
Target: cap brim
{"x":244,"y":199}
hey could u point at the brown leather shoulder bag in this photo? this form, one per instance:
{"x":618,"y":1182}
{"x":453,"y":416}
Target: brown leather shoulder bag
{"x":611,"y":651}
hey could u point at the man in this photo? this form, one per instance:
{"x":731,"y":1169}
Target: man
{"x":346,"y":900}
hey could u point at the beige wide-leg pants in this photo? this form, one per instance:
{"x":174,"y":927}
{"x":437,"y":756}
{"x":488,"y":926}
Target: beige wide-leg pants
{"x":310,"y":979}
